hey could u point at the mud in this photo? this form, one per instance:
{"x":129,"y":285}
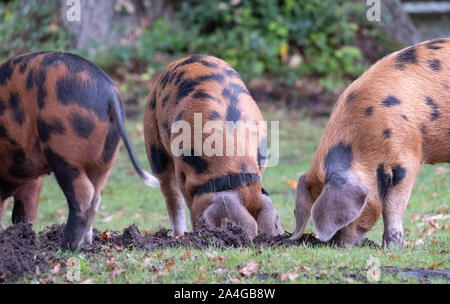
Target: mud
{"x":20,"y":253}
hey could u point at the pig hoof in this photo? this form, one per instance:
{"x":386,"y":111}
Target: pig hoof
{"x":393,"y":239}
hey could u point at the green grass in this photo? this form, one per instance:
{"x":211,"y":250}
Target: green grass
{"x":127,"y":200}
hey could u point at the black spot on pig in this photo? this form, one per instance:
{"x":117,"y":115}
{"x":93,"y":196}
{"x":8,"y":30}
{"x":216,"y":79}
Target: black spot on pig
{"x":88,"y":94}
{"x":233,"y":113}
{"x":434,"y":108}
{"x":339,"y":159}
{"x":434,"y":44}
{"x":391,"y":101}
{"x":185,"y":88}
{"x":179,"y":77}
{"x":405,"y":118}
{"x":6,"y":71}
{"x":386,"y":133}
{"x":82,"y":125}
{"x":351,"y":96}
{"x":200,"y":94}
{"x":165,"y":99}
{"x":2,"y":107}
{"x":384,"y":181}
{"x":179,"y":116}
{"x":152,"y":102}
{"x":231,"y":73}
{"x":434,"y":64}
{"x":198,"y":163}
{"x":214,"y":115}
{"x":165,"y":80}
{"x":165,"y":125}
{"x":208,"y":64}
{"x":159,"y":159}
{"x":3,"y":132}
{"x":398,"y":174}
{"x":46,"y":129}
{"x":19,"y":167}
{"x":111,"y":142}
{"x":193,"y":59}
{"x":368,"y":111}
{"x":262,"y":153}
{"x":18,"y":112}
{"x":423,"y":129}
{"x":407,"y":56}
{"x":18,"y":214}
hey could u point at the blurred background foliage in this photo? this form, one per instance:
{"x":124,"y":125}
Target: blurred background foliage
{"x":325,"y":43}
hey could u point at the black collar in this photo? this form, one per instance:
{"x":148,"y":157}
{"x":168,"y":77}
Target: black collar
{"x":229,"y":182}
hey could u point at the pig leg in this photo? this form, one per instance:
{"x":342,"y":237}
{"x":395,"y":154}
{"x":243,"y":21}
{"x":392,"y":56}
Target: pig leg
{"x":394,"y":206}
{"x":98,"y":179}
{"x":175,"y":202}
{"x":26,"y":199}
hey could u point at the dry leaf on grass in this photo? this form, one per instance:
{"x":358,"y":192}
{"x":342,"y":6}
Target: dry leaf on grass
{"x":291,"y":276}
{"x":292,"y":183}
{"x":435,"y":266}
{"x":440,"y":170}
{"x":249,"y":269}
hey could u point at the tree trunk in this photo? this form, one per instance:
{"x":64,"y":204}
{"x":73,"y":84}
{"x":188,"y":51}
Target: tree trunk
{"x":396,"y":22}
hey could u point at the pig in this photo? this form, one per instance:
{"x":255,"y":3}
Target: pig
{"x":59,"y":113}
{"x":214,"y":188}
{"x":383,"y":128}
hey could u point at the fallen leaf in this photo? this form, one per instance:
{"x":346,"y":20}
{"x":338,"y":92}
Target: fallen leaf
{"x":106,"y":235}
{"x":291,"y":276}
{"x":292,"y":183}
{"x":433,"y":224}
{"x":136,"y":215}
{"x":186,"y":255}
{"x":393,"y":256}
{"x":249,"y":269}
{"x":443,"y":208}
{"x":419,"y":242}
{"x":434,"y":266}
{"x":434,"y":194}
{"x":415,"y":218}
{"x":55,"y":269}
{"x":87,"y":281}
{"x":220,"y":271}
{"x":235,"y":280}
{"x":169,"y":265}
{"x":440,"y":170}
{"x":111,"y":265}
{"x":159,"y":254}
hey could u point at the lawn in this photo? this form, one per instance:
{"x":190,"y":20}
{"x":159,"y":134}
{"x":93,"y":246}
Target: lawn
{"x":126,"y":200}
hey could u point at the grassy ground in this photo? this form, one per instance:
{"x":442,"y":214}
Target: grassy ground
{"x":127,"y":200}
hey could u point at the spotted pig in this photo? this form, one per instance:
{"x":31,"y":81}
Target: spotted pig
{"x":385,"y":125}
{"x":214,"y":187}
{"x":59,"y":113}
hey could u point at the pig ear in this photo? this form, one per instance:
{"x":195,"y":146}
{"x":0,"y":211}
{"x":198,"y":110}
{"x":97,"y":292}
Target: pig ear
{"x":229,"y":204}
{"x":268,"y":218}
{"x":339,"y":204}
{"x":303,"y":205}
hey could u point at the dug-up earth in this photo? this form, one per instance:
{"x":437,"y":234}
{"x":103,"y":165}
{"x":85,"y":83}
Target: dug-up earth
{"x":23,"y":252}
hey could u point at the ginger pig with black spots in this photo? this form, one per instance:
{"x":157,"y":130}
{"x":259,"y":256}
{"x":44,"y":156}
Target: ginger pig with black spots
{"x":59,"y":113}
{"x":383,"y":128}
{"x":215,"y":186}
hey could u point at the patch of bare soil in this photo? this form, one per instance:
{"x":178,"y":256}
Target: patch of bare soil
{"x":20,"y":253}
